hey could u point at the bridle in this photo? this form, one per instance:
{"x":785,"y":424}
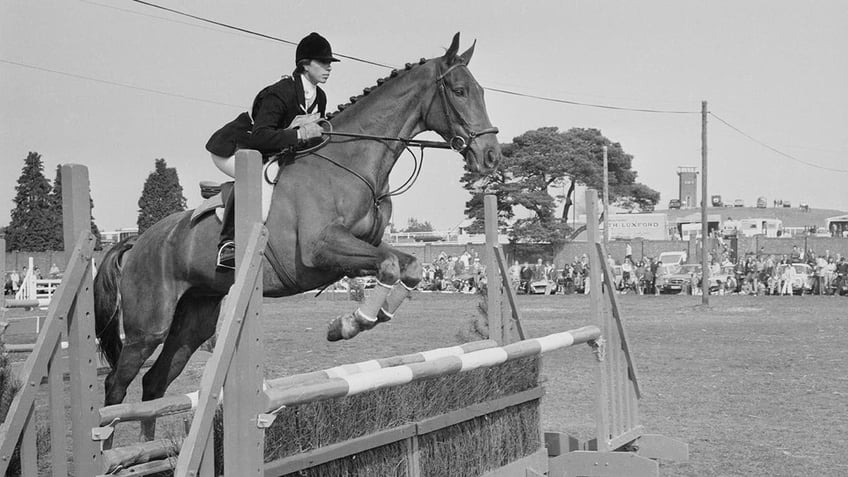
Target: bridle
{"x":457,"y":142}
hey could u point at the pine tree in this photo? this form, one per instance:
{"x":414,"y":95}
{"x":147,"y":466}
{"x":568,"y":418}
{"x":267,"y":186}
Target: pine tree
{"x":161,"y":197}
{"x":58,"y":215}
{"x":31,"y":228}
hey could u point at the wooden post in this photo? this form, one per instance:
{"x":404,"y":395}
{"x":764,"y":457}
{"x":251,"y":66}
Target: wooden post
{"x":705,"y":261}
{"x":243,"y":394}
{"x":82,"y":349}
{"x":596,"y":311}
{"x":497,"y":330}
{"x":606,"y":199}
{"x":3,"y":269}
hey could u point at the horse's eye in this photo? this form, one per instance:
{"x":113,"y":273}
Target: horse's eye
{"x":459,"y":91}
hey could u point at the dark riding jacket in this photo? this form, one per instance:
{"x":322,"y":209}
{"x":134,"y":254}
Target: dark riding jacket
{"x":273,"y":110}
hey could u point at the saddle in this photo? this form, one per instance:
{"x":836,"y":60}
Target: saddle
{"x":216,"y":194}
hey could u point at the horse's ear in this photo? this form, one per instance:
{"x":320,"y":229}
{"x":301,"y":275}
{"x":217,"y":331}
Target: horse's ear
{"x":450,"y":55}
{"x":466,"y":57}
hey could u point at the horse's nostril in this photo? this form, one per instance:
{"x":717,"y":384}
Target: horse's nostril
{"x":491,"y":160}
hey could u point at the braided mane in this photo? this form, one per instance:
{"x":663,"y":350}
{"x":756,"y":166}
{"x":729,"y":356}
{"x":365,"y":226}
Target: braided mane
{"x":380,"y":82}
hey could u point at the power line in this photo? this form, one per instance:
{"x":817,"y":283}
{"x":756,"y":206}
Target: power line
{"x":775,"y":150}
{"x":375,"y":63}
{"x":115,"y":83}
{"x":249,"y":32}
{"x":591,"y":105}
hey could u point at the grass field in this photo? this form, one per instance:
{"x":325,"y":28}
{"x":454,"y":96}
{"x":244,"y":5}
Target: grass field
{"x":757,"y":386}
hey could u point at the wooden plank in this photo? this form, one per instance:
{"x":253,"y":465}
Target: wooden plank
{"x":497,"y":331}
{"x":507,"y":287}
{"x":339,"y":450}
{"x":476,"y":410}
{"x":655,"y":446}
{"x":413,"y":457}
{"x":136,"y":411}
{"x":602,"y":418}
{"x":76,"y":209}
{"x":35,"y":367}
{"x":56,"y":401}
{"x":149,"y":468}
{"x":616,"y":314}
{"x":232,"y":313}
{"x":29,"y":446}
{"x":602,"y":464}
{"x":140,"y":453}
{"x":243,"y":395}
{"x":535,"y":464}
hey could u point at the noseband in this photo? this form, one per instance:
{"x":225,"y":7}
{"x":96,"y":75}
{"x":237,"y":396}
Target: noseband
{"x":458,"y":143}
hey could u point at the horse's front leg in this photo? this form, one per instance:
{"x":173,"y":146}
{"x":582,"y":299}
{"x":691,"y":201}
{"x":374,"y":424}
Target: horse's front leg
{"x":338,"y":249}
{"x":410,"y":276}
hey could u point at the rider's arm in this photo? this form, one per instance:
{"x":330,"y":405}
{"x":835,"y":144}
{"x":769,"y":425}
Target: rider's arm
{"x":268,"y":135}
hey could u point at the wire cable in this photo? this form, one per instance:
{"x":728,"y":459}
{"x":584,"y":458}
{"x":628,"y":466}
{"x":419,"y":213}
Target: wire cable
{"x":591,"y":105}
{"x":375,"y":63}
{"x":249,"y":32}
{"x":775,"y":150}
{"x":115,"y":83}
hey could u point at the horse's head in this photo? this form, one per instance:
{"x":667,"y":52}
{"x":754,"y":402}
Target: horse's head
{"x":458,"y":111}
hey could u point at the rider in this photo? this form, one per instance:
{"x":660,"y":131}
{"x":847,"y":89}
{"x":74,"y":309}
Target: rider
{"x":285,"y":114}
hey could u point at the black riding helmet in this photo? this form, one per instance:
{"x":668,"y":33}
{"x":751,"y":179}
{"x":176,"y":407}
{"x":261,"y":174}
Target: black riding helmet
{"x":314,"y":47}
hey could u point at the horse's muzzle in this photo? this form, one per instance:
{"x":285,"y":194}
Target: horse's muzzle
{"x":490,"y":159}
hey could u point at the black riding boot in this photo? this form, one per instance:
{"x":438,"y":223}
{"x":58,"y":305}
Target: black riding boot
{"x":227,"y":246}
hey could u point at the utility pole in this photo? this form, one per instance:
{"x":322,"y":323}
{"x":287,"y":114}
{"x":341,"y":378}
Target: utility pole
{"x":705,"y":265}
{"x":606,"y":198}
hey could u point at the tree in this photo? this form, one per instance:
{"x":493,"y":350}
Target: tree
{"x":413,"y":225}
{"x":58,"y":236}
{"x":162,"y":196}
{"x":31,"y":228}
{"x":544,"y":159}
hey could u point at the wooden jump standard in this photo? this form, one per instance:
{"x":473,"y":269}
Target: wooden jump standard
{"x":68,"y":318}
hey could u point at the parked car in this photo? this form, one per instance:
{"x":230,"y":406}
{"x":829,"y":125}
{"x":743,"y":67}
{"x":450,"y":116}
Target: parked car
{"x":680,"y":279}
{"x":803,"y":280}
{"x":689,"y":275}
{"x":761,"y":202}
{"x":674,"y":204}
{"x":670,"y":262}
{"x":738,"y":203}
{"x":543,"y":286}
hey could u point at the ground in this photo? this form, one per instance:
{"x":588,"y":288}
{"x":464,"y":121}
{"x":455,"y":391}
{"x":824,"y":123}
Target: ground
{"x":755,"y":385}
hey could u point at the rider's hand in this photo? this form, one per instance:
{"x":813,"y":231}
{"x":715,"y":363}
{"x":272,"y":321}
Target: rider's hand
{"x":310,"y":130}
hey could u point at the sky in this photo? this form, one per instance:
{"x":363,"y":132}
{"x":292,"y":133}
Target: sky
{"x":116,"y":84}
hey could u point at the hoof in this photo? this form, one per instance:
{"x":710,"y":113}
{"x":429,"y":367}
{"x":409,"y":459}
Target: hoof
{"x":343,"y":327}
{"x":383,"y":317}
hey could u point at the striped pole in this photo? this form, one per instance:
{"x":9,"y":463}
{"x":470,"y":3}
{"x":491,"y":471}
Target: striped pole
{"x":398,"y":375}
{"x":136,"y":411}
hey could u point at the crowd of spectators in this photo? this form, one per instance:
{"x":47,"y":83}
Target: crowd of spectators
{"x":761,"y":273}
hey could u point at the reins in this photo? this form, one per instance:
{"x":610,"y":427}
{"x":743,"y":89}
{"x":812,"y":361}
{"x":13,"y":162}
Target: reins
{"x":457,"y":143}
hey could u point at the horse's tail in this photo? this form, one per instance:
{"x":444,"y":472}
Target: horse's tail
{"x":107,"y":301}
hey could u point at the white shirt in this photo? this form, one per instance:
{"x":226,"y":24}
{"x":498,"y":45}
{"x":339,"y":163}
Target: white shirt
{"x":310,"y":92}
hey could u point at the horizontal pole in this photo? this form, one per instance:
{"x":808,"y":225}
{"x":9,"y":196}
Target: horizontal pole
{"x":398,"y":375}
{"x":136,"y":411}
{"x":374,"y":364}
{"x":12,"y":303}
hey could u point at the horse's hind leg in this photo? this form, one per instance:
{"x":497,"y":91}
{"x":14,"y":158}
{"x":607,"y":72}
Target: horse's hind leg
{"x":133,"y":355}
{"x":194,"y":323}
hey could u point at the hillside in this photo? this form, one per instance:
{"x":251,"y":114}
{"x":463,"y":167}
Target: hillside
{"x":791,"y":217}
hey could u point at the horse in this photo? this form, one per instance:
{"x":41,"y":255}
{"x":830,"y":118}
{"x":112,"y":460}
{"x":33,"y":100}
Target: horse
{"x":328,"y":212}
